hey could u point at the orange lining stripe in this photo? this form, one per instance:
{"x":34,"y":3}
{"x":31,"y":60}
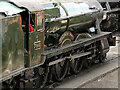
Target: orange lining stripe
{"x":77,"y":21}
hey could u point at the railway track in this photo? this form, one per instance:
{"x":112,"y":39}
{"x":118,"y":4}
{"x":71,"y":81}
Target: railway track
{"x":110,"y":61}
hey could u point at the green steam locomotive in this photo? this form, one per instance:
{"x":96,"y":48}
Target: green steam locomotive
{"x":42,"y":41}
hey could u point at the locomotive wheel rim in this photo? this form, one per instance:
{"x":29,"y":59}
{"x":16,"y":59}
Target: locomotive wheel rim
{"x":78,"y":37}
{"x":66,"y":42}
{"x":50,"y":76}
{"x":60,"y":71}
{"x":87,"y":63}
{"x":41,"y":77}
{"x":76,"y":65}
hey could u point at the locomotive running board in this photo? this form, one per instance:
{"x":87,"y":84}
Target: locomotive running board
{"x":75,"y":45}
{"x":70,"y":58}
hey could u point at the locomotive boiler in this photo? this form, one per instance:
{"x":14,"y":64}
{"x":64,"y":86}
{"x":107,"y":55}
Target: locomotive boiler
{"x":72,"y":18}
{"x":42,"y":41}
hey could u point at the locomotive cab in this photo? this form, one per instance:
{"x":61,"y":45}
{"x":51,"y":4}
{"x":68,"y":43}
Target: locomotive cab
{"x":33,"y":27}
{"x":36,"y":38}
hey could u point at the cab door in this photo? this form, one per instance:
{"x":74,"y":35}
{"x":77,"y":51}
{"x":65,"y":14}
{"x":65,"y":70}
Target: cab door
{"x":36,"y":38}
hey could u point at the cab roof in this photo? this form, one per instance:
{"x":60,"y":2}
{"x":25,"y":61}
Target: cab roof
{"x":9,"y":9}
{"x":31,"y":5}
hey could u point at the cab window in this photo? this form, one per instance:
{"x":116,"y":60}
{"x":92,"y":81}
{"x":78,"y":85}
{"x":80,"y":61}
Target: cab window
{"x":40,"y":21}
{"x":32,"y":22}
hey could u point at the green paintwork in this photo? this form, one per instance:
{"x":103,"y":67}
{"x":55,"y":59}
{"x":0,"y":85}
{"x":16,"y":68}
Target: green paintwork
{"x":36,"y":41}
{"x":54,"y":27}
{"x":12,"y":46}
{"x":104,"y":45}
{"x":88,"y":17}
{"x":52,"y":13}
{"x":79,"y":23}
{"x":36,"y":54}
{"x":66,"y":12}
{"x":76,"y":20}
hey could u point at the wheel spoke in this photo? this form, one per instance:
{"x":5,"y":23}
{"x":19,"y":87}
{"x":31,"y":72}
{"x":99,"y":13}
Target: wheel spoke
{"x":60,"y":70}
{"x":76,"y":66}
{"x":87,"y":63}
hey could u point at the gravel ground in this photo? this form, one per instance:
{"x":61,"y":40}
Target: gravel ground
{"x":108,"y":81}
